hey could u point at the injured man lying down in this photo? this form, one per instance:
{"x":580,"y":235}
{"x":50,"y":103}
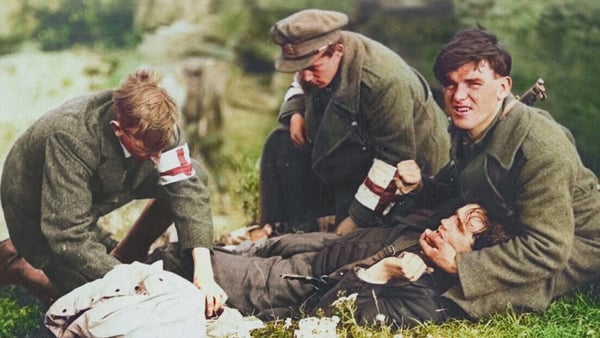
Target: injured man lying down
{"x":141,"y":300}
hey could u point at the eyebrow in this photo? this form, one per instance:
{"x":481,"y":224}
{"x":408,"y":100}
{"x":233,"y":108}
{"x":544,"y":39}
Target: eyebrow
{"x":474,"y":79}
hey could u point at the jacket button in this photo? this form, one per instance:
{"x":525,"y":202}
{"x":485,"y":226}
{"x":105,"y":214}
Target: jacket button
{"x":354,"y":123}
{"x":364,"y":148}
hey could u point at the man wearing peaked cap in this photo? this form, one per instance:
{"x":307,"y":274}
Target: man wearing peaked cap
{"x":304,"y":35}
{"x":352,"y":100}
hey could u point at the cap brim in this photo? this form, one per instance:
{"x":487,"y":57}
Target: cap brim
{"x":292,"y":66}
{"x":313,"y":48}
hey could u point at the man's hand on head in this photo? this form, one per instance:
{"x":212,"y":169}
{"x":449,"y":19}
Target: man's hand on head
{"x":439,"y":251}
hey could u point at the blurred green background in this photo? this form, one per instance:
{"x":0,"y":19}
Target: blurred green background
{"x":53,"y":50}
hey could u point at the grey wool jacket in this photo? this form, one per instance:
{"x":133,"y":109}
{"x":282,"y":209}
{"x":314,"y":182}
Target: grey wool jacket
{"x":529,"y":163}
{"x":68,"y":169}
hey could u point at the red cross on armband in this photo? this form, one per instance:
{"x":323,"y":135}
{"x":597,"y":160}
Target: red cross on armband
{"x":378,"y":191}
{"x":175,"y":165}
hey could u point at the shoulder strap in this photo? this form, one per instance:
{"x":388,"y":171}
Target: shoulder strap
{"x":402,"y":243}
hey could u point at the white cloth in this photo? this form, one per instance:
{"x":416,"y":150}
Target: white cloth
{"x":132,"y":300}
{"x":231,"y":323}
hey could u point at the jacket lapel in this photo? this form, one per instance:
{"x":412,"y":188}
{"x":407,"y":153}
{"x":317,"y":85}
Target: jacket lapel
{"x":340,"y":114}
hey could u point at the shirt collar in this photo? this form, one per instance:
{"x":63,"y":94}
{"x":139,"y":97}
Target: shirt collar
{"x":125,"y":151}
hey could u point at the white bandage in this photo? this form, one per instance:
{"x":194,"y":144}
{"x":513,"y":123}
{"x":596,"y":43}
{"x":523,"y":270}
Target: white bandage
{"x":175,"y":165}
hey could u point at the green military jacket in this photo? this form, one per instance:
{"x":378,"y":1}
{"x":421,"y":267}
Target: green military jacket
{"x":528,"y":164}
{"x":379,"y":107}
{"x":68,"y":169}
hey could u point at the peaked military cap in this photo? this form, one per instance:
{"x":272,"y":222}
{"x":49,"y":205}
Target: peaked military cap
{"x":303,"y":35}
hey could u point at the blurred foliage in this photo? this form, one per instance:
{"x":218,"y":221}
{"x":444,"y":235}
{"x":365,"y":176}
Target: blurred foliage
{"x":553,"y":39}
{"x":10,"y":43}
{"x":247,"y":187}
{"x":248,"y":22}
{"x":17,"y":320}
{"x":571,"y":43}
{"x":109,"y":23}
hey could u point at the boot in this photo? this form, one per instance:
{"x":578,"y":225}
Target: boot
{"x":150,"y":225}
{"x":15,"y":270}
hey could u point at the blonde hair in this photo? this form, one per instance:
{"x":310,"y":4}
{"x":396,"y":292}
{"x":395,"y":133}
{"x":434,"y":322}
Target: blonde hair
{"x":145,"y":110}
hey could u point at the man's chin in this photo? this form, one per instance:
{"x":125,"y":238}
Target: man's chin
{"x":461,"y":122}
{"x":431,"y":236}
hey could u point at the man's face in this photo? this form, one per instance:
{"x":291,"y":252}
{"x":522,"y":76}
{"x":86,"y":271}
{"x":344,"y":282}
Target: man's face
{"x":322,"y":70}
{"x":473,"y":96}
{"x":459,"y":229}
{"x":135,"y":146}
{"x":138,"y":150}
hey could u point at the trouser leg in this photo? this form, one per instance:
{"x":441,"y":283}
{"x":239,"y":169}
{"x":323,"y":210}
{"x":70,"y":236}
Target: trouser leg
{"x":254,"y":286}
{"x":290,"y":192}
{"x":14,"y":269}
{"x":272,"y":191}
{"x":289,"y":245}
{"x":150,"y":225}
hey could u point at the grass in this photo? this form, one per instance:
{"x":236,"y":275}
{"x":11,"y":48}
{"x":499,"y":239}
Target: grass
{"x":250,"y":115}
{"x":576,"y":315}
{"x":20,"y":314}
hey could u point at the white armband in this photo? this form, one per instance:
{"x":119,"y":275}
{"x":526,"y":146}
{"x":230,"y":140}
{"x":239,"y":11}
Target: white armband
{"x":175,"y":165}
{"x":378,"y":191}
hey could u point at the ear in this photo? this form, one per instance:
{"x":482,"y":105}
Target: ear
{"x":339,"y":48}
{"x":116,"y":127}
{"x":505,"y":87}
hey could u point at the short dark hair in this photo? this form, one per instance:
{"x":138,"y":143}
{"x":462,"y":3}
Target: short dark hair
{"x":494,"y":233}
{"x":471,"y":45}
{"x":498,"y":228}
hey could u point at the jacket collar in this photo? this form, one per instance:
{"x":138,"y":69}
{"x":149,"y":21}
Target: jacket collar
{"x":347,"y":95}
{"x":110,"y":146}
{"x":510,"y":133}
{"x":504,"y":137}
